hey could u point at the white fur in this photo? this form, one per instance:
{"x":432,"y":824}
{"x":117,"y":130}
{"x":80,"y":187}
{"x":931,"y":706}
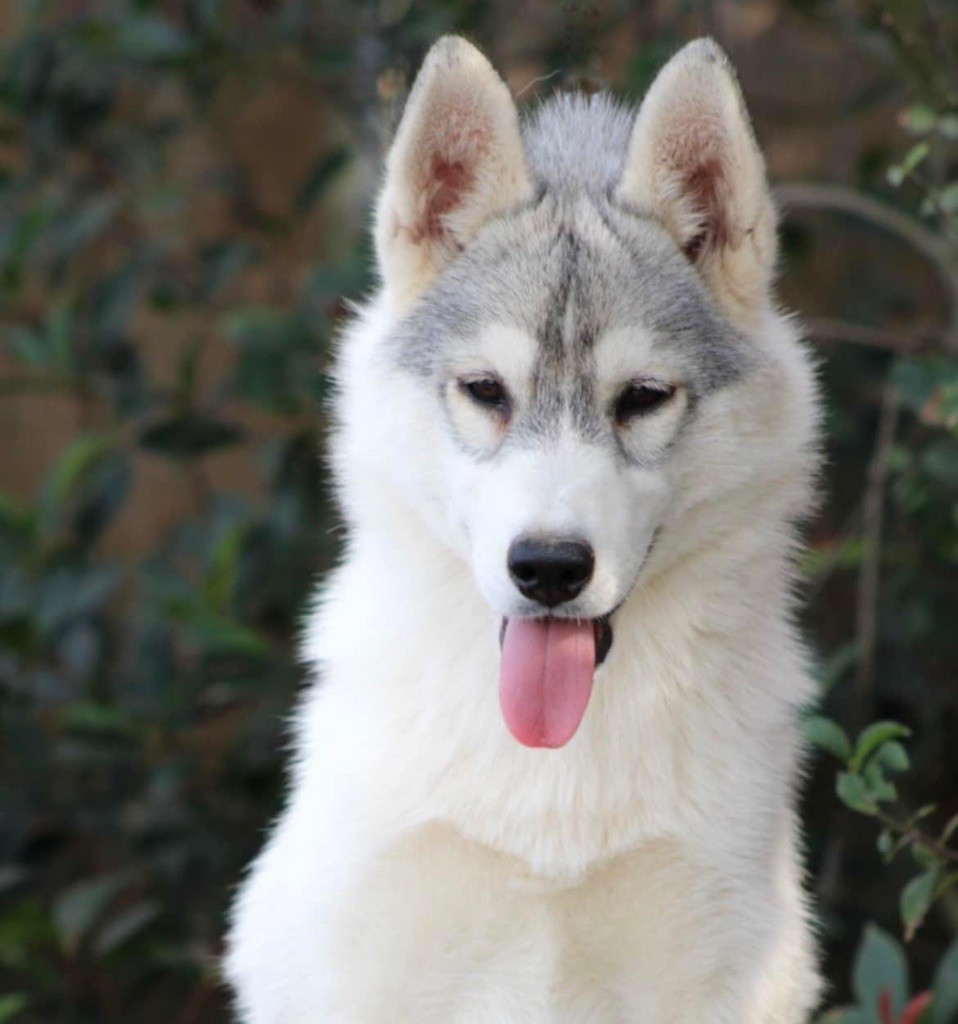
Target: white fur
{"x":428,"y":868}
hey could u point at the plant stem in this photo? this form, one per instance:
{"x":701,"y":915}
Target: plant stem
{"x":866,"y":631}
{"x":917,"y":838}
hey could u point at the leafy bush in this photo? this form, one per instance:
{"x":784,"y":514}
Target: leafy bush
{"x":168,"y":291}
{"x":916,"y":459}
{"x":145,"y":684}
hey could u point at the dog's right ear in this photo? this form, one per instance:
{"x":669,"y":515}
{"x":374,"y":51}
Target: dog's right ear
{"x":456,"y":161}
{"x":694,"y":164}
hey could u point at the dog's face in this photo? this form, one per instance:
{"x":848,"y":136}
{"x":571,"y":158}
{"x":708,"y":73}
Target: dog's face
{"x":577,"y":313}
{"x":571,"y":349}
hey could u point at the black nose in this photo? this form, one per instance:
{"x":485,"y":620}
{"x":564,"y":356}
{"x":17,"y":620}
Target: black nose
{"x":550,"y":571}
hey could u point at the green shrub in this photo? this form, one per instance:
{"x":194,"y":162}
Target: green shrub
{"x":167,"y":310}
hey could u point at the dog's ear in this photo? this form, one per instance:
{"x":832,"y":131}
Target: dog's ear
{"x":694,"y":165}
{"x":456,"y":161}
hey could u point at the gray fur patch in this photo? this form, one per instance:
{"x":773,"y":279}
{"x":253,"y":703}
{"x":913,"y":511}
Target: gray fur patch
{"x":568,"y":267}
{"x":577,"y":144}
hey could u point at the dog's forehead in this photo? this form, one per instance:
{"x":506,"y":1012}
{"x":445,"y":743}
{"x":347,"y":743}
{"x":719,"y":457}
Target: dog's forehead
{"x":567,"y":277}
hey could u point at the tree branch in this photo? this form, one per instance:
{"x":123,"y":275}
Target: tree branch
{"x":823,"y":196}
{"x":889,"y":339}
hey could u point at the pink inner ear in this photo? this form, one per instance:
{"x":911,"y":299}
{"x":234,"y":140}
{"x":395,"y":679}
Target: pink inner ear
{"x":705,"y":188}
{"x":463,"y":145}
{"x":449,"y":182}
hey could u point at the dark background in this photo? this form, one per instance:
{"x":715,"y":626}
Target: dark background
{"x":184,"y":190}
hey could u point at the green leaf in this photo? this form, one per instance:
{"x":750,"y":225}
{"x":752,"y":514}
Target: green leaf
{"x":86,"y":489}
{"x":853,"y":792}
{"x":918,"y":380}
{"x":18,"y":523}
{"x":71,"y":467}
{"x":12,"y":876}
{"x":112,"y":304}
{"x":69,"y":593}
{"x":391,"y":12}
{"x":81,"y":906}
{"x":218,"y":635}
{"x":949,"y":830}
{"x":893,"y":757}
{"x":220,"y":582}
{"x":948,"y":198}
{"x":833,"y":669}
{"x":897,"y":175}
{"x":884,"y":791}
{"x":103,"y":719}
{"x":916,"y":899}
{"x":944,"y":1008}
{"x":46,"y":348}
{"x":25,"y":232}
{"x":123,"y":927}
{"x":189,"y":436}
{"x":948,"y":126}
{"x":880,"y":965}
{"x":221,"y":262}
{"x":101,"y":496}
{"x":278,"y":367}
{"x":850,"y":1015}
{"x":923,"y":857}
{"x":920,"y":120}
{"x":187,"y":371}
{"x":879,"y":788}
{"x":153,"y":39}
{"x":829,"y":735}
{"x":11,"y":1005}
{"x":875,"y":736}
{"x":25,"y":931}
{"x":939,"y":461}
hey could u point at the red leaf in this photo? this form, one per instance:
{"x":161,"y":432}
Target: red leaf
{"x":915,"y":1009}
{"x":886,"y":1008}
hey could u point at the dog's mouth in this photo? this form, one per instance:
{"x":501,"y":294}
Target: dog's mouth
{"x":545,"y":676}
{"x":601,"y":627}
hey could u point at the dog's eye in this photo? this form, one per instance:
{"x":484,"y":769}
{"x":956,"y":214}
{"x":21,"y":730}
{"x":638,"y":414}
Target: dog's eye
{"x":640,"y":399}
{"x":486,"y":391}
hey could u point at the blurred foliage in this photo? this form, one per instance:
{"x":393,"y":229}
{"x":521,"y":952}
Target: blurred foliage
{"x":144,"y":694}
{"x":880,"y":983}
{"x":144,"y":679}
{"x":900,"y":538}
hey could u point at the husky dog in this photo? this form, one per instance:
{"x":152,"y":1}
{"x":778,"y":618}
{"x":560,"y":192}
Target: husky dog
{"x":547,"y":773}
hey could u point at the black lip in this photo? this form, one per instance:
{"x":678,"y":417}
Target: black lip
{"x":603,"y":636}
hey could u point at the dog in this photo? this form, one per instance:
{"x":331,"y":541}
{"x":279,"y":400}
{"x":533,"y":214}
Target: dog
{"x":547,"y":771}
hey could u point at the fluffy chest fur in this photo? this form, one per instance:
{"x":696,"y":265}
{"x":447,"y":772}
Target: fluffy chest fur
{"x":464,"y":934}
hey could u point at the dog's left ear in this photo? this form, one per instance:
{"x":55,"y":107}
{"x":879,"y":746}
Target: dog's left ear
{"x":695,"y":166}
{"x":457,"y":160}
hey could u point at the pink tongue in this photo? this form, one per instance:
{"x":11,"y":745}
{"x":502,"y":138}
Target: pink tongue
{"x":545,"y":678}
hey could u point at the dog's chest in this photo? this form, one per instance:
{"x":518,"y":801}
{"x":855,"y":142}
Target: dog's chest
{"x":441,"y":929}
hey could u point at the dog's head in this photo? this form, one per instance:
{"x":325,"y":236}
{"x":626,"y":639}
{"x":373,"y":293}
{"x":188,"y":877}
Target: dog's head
{"x":580,"y":311}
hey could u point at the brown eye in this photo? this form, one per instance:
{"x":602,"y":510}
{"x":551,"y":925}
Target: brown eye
{"x":486,"y":391}
{"x":639,"y":399}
